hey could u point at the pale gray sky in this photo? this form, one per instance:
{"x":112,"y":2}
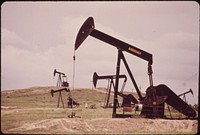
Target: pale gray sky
{"x":38,"y":37}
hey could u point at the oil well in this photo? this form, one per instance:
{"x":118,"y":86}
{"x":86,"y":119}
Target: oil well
{"x":128,"y":99}
{"x":156,"y":96}
{"x":62,"y":82}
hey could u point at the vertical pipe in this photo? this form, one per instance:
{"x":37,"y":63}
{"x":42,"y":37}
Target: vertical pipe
{"x":150,"y":75}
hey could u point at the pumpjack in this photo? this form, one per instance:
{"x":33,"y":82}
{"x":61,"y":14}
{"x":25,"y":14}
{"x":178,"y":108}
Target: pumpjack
{"x":60,"y":95}
{"x":61,"y":82}
{"x":110,"y":79}
{"x":127,"y":99}
{"x":156,"y":96}
{"x":62,"y":79}
{"x":183,"y":94}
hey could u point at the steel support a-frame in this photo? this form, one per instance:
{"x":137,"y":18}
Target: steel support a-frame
{"x":119,"y":58}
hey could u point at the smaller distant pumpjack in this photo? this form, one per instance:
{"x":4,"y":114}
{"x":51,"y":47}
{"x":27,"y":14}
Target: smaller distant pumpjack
{"x":62,"y":79}
{"x":62,"y":82}
{"x":183,"y":94}
{"x":110,"y":79}
{"x":60,"y":95}
{"x":127,"y":99}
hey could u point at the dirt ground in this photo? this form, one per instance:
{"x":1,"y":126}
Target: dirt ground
{"x":103,"y":125}
{"x":33,"y":111}
{"x":109,"y":125}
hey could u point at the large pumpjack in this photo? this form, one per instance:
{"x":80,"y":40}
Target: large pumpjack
{"x":156,"y":96}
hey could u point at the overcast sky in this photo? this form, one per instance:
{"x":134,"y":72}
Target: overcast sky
{"x":38,"y":37}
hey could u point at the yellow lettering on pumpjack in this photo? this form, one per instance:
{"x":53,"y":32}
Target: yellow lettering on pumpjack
{"x":134,"y":51}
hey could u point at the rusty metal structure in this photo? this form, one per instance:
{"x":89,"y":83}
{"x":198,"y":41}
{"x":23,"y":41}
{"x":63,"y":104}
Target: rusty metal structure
{"x":128,"y":99}
{"x":60,"y":95}
{"x":183,"y":94}
{"x":71,"y":102}
{"x":61,"y":82}
{"x":110,"y":79}
{"x":62,"y":79}
{"x":156,"y":96}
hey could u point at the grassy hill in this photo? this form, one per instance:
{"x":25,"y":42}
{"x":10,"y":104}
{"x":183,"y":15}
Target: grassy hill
{"x":36,"y":105}
{"x":40,"y":97}
{"x":27,"y":105}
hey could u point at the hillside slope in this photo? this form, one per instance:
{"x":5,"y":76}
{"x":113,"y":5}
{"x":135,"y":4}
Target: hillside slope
{"x":34,"y":110}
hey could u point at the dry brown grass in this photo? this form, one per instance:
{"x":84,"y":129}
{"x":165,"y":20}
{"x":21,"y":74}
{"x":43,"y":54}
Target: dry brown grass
{"x":33,"y":110}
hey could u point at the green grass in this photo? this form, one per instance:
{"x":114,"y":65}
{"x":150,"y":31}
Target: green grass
{"x":34,"y":104}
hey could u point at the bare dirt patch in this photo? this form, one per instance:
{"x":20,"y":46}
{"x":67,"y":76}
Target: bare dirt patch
{"x":109,"y":125}
{"x":8,"y":109}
